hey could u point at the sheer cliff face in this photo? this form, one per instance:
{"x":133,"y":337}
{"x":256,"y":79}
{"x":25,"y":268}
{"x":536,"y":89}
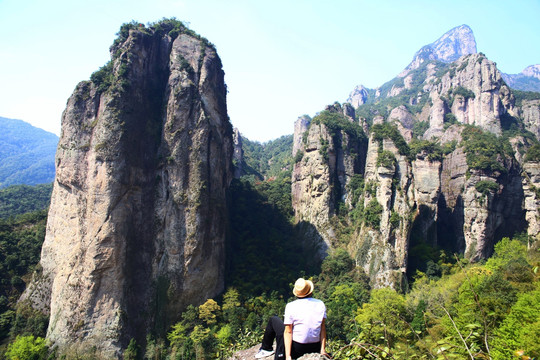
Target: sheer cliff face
{"x":136,"y":224}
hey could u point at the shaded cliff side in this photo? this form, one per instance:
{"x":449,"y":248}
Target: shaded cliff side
{"x":137,"y":221}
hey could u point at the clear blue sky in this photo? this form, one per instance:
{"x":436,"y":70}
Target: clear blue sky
{"x":282,"y":58}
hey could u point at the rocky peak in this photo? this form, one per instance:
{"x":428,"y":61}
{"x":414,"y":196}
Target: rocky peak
{"x":532,"y":71}
{"x":358,"y":96}
{"x":448,"y":48}
{"x":527,"y":80}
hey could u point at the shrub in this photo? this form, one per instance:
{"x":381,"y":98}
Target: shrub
{"x":464,"y":92}
{"x":298,"y":157}
{"x":486,"y":186}
{"x":432,"y":149}
{"x":372,"y":214}
{"x":27,"y":348}
{"x":386,"y":159}
{"x":336,"y":122}
{"x":420,"y":128}
{"x":533,"y":154}
{"x":483,"y":150}
{"x":388,"y":131}
{"x":103,"y":78}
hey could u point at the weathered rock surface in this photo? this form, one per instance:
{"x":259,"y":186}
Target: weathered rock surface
{"x":136,"y":225}
{"x":249,"y":354}
{"x":358,"y":96}
{"x":531,"y":186}
{"x":530,"y":112}
{"x":238,"y":154}
{"x":320,"y":177}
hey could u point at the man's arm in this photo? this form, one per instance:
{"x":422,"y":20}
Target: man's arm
{"x":287,"y":339}
{"x":323,"y":337}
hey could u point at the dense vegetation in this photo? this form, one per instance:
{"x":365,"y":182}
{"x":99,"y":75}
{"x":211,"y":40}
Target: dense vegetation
{"x":26,"y":154}
{"x":21,"y":199}
{"x":21,"y":238}
{"x":460,"y":311}
{"x":267,"y":160}
{"x":485,"y":151}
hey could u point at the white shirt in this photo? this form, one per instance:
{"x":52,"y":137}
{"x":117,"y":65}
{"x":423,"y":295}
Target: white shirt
{"x":306,"y":316}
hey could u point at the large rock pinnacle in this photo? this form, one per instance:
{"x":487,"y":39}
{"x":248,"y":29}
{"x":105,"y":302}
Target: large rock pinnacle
{"x":136,"y":225}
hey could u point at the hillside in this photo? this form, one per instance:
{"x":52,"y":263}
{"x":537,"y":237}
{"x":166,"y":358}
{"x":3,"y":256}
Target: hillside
{"x":20,"y":199}
{"x":26,"y":153}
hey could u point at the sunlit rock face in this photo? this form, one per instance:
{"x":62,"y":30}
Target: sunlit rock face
{"x":136,"y":226}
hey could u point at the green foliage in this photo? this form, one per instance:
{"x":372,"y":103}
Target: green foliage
{"x":449,"y":147}
{"x":269,"y":159}
{"x":464,"y":92}
{"x":355,"y":188}
{"x":209,"y":311}
{"x":449,"y":119}
{"x":386,"y":159}
{"x":486,"y":186}
{"x":336,"y":122}
{"x":27,"y":348}
{"x":372,"y":214}
{"x":21,"y":199}
{"x":419,"y":128}
{"x":520,"y":96}
{"x":389,"y":131}
{"x":533,"y":153}
{"x":381,"y":320}
{"x":431,"y":149}
{"x":260,"y":217}
{"x":484,"y":151}
{"x":520,"y":330}
{"x":20,"y":246}
{"x":132,"y":351}
{"x":104,"y":77}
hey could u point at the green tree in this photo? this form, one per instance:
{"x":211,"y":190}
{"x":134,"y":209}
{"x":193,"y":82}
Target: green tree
{"x":132,"y":351}
{"x":208,"y":312}
{"x":27,"y":348}
{"x":382,"y":320}
{"x":520,"y":330}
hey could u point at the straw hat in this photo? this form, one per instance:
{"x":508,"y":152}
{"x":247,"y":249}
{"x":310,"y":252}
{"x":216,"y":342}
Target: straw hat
{"x":302,"y":288}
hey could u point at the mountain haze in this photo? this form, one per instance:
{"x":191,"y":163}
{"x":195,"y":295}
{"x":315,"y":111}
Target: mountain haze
{"x":527,"y":80}
{"x":26,"y":153}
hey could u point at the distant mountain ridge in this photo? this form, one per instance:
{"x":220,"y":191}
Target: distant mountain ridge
{"x":26,"y":153}
{"x":527,"y":80}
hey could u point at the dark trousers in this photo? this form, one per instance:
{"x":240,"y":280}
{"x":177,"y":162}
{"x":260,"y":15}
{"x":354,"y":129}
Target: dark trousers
{"x":274,"y":330}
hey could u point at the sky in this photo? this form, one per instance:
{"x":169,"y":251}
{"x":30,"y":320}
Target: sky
{"x":282,"y":58}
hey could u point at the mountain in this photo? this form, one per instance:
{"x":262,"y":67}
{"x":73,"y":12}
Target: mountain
{"x":527,"y":80}
{"x":26,"y":153}
{"x":440,"y":159}
{"x":448,"y":48}
{"x":137,"y":222}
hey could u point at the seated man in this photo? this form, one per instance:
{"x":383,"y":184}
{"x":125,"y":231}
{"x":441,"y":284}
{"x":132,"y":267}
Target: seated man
{"x":302,"y":332}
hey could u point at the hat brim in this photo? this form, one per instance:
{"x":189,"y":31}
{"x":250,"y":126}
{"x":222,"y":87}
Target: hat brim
{"x":310,"y":291}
